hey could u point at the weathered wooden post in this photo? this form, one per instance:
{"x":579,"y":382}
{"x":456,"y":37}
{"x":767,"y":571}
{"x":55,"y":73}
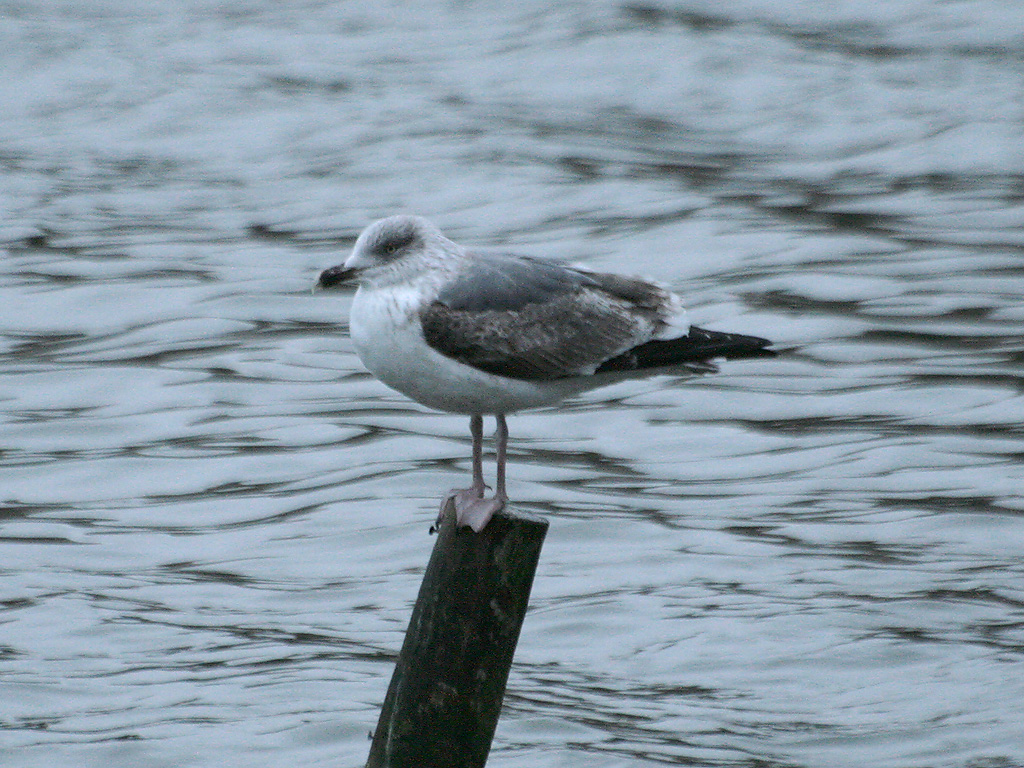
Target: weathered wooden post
{"x":445,"y":696}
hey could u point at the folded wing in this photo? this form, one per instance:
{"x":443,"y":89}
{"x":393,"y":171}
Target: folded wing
{"x":528,"y":319}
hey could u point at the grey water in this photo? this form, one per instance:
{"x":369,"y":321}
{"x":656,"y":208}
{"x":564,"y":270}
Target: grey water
{"x":214,"y":522}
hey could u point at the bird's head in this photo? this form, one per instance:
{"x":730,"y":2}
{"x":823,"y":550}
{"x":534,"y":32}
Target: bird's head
{"x":382,"y":243}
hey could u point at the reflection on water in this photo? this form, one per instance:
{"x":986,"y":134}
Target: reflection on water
{"x":214,"y":521}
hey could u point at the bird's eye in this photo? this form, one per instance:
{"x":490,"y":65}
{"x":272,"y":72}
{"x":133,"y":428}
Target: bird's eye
{"x":393,"y":245}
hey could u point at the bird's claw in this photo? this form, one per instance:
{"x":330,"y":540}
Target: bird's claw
{"x":471,"y":509}
{"x":478,"y":513}
{"x":458,"y":498}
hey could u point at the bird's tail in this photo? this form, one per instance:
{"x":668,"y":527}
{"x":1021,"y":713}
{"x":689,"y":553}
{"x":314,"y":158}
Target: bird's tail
{"x":699,"y":346}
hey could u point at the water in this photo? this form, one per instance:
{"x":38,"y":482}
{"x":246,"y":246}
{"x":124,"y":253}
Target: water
{"x":215,"y":522}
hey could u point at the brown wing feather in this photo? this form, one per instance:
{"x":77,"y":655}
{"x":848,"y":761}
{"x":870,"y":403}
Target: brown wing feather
{"x":569,"y":335}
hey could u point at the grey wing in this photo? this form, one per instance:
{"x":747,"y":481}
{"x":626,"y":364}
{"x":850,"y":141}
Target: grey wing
{"x":535,"y":320}
{"x":495,"y":282}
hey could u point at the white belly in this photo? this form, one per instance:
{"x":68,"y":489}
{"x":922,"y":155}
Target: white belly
{"x":387,"y":335}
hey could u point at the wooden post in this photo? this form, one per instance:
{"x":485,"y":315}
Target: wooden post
{"x":445,"y":696}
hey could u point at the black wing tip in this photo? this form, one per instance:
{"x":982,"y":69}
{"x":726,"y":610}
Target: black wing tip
{"x":699,"y":347}
{"x":333,"y":277}
{"x":731,"y":346}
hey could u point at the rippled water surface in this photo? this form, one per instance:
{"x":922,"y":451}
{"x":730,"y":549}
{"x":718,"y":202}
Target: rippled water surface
{"x":214,"y":522}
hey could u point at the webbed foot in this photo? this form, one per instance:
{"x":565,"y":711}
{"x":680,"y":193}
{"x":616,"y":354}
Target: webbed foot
{"x":471,"y":509}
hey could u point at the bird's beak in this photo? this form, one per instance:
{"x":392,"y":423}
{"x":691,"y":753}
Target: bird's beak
{"x":335,"y":277}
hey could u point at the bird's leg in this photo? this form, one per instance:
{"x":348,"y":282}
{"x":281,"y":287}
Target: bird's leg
{"x":478,"y":512}
{"x":501,"y":452}
{"x":467,"y":496}
{"x":476,"y":428}
{"x":471,"y":508}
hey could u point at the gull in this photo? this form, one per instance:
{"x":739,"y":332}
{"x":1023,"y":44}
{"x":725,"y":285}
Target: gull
{"x":477,"y":332}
